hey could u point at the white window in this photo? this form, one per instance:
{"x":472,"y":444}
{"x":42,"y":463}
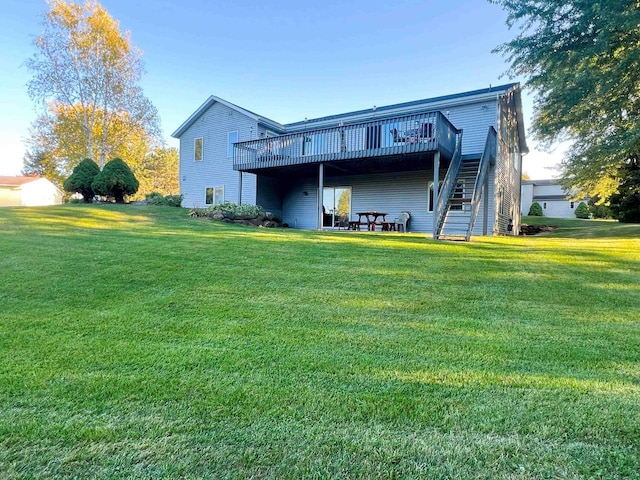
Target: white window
{"x":214,"y":195}
{"x":232,"y":137}
{"x":501,"y":201}
{"x":198,"y":150}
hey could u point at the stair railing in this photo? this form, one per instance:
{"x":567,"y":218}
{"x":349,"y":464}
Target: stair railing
{"x":447,"y":186}
{"x":488,"y":155}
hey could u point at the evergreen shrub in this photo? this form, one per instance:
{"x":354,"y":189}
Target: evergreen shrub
{"x":81,"y":179}
{"x":535,"y":210}
{"x":115,"y":180}
{"x":583,"y":211}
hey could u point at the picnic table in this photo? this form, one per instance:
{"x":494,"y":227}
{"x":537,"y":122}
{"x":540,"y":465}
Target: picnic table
{"x":371,"y":219}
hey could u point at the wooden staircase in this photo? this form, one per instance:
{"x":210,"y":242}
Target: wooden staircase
{"x":461,"y":194}
{"x":457,"y":215}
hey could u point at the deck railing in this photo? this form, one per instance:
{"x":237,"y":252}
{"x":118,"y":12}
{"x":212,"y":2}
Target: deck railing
{"x":447,"y":186}
{"x":422,"y":132}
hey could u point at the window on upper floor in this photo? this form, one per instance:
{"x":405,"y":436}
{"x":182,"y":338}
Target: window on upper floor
{"x":232,"y":137}
{"x":214,"y":195}
{"x":198,"y":149}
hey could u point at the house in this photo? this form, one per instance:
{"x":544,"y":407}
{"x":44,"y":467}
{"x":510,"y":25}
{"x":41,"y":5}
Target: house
{"x":28,"y":191}
{"x":555,"y":201}
{"x":453,"y":161}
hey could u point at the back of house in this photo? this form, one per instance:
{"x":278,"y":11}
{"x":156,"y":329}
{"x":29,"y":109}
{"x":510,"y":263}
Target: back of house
{"x":449,"y":160}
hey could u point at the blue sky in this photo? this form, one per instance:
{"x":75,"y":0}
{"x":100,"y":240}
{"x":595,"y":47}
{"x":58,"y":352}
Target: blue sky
{"x":285,"y":60}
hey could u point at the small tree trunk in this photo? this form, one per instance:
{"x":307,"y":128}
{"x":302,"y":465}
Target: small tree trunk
{"x":119,"y":196}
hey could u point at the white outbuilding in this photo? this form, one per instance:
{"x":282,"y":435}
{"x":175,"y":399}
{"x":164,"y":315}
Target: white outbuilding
{"x":28,"y":191}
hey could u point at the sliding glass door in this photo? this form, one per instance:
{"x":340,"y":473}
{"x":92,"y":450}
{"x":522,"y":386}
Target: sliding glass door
{"x":336,"y":206}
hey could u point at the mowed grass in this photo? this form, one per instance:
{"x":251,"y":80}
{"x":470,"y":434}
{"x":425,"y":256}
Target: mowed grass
{"x":579,"y":228}
{"x":138,"y":343}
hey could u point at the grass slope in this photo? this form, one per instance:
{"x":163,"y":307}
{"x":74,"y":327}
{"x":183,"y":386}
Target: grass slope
{"x":137,"y":343}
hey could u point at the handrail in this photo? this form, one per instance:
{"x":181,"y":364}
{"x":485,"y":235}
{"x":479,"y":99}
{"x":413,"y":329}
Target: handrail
{"x":489,"y":152}
{"x":447,"y":186}
{"x":418,"y":132}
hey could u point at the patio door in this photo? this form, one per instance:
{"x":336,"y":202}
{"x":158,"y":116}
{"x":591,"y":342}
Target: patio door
{"x":336,"y":206}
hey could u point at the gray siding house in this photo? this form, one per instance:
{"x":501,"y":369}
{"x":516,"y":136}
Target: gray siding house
{"x":454,"y":162}
{"x":555,"y":201}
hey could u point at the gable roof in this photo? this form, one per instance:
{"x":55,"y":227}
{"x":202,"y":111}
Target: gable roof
{"x":6,"y":181}
{"x":425,"y":104}
{"x":213,"y":99}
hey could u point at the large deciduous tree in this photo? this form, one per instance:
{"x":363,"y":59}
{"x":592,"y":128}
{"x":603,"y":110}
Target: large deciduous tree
{"x":159,"y":172}
{"x":86,"y":75}
{"x":57,"y":135}
{"x":625,"y":203}
{"x":582,"y":60}
{"x":42,"y":163}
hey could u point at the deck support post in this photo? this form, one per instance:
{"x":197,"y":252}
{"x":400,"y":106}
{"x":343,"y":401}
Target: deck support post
{"x":240,"y":189}
{"x":485,"y":209}
{"x":320,"y":194}
{"x":436,"y":193}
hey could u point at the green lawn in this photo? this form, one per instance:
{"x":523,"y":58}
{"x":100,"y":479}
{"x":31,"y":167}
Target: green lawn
{"x":138,"y":343}
{"x":578,"y":228}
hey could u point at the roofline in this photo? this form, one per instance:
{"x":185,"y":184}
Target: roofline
{"x":27,"y":182}
{"x":448,"y":99}
{"x":544,"y":181}
{"x":428,"y":103}
{"x":524,"y":149}
{"x":213,"y":99}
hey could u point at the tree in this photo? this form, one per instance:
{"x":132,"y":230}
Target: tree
{"x":42,"y":163}
{"x":55,"y":136}
{"x":582,"y":211}
{"x":159,"y":172}
{"x":582,"y":59}
{"x":115,"y":180}
{"x":625,"y":203}
{"x":598,"y":209}
{"x":82,"y":178}
{"x":343,"y":204}
{"x":84,"y":64}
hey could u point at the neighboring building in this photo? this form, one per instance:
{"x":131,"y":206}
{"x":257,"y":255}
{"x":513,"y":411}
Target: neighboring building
{"x":555,"y":201}
{"x":448,"y":160}
{"x":29,"y":191}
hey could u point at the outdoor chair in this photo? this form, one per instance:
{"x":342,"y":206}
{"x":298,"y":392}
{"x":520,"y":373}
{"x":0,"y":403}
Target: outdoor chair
{"x":342,"y":222}
{"x":402,"y":220}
